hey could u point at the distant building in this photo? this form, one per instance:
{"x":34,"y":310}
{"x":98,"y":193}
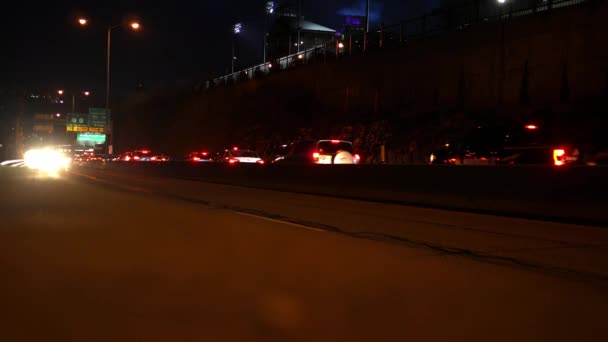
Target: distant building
{"x":354,"y":25}
{"x":283,"y":35}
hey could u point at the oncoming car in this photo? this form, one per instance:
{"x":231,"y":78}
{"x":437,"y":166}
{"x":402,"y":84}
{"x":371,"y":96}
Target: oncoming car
{"x":330,"y":152}
{"x":48,"y":159}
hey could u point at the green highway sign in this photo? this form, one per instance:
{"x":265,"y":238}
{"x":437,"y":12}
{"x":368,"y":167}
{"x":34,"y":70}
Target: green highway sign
{"x":97,"y":119}
{"x":76,"y":122}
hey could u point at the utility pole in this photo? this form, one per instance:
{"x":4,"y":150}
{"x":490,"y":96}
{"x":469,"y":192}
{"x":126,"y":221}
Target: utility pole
{"x":236,"y":29}
{"x":107,"y":106}
{"x":265,"y":36}
{"x":367,"y":16}
{"x":233,"y":57}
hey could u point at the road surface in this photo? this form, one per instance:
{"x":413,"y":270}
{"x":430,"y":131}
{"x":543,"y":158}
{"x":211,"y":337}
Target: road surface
{"x":96,"y":256}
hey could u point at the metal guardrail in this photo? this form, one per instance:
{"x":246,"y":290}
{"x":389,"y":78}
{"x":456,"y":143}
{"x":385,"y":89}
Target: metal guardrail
{"x":477,"y":12}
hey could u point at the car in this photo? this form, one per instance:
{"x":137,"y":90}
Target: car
{"x":533,"y":144}
{"x":527,"y":144}
{"x":142,"y":155}
{"x":198,"y":157}
{"x":159,"y":158}
{"x":109,"y":157}
{"x":127,"y":156}
{"x":238,"y":156}
{"x":329,"y":152}
{"x":446,"y":155}
{"x":598,"y":158}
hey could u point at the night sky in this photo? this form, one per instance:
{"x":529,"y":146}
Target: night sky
{"x":181,"y":41}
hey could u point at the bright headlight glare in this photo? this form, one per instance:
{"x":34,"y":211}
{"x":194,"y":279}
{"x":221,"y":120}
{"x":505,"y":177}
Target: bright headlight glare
{"x":46,"y":160}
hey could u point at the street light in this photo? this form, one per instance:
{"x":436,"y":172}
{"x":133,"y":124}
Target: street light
{"x":269,"y":10}
{"x":135,"y":26}
{"x":236,"y":29}
{"x":269,"y":7}
{"x":501,"y":1}
{"x":85,"y":93}
{"x":299,"y":22}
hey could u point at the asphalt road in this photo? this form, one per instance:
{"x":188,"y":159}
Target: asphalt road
{"x":100,"y":256}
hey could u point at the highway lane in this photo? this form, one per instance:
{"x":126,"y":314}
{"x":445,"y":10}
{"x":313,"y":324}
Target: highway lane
{"x":107,"y":258}
{"x":579,"y":251}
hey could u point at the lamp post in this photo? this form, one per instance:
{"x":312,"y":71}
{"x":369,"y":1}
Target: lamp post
{"x":367,"y":16}
{"x":269,"y":10}
{"x":299,"y":22}
{"x":135,"y":26}
{"x":236,"y":29}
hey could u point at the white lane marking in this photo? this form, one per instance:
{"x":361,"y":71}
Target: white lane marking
{"x":21,"y":164}
{"x":280,"y":221}
{"x":9,"y":162}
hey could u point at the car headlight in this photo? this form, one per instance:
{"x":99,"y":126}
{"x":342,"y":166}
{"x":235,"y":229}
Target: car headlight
{"x":46,"y":160}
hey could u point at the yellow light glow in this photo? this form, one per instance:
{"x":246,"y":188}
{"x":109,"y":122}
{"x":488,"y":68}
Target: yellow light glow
{"x":135,"y":26}
{"x":82,"y":21}
{"x":60,"y":92}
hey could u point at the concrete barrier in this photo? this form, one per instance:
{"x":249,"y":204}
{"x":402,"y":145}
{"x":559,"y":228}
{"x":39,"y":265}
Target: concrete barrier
{"x":573,"y":194}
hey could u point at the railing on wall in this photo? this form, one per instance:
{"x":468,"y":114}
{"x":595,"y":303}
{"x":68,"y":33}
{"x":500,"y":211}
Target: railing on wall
{"x":315,"y":54}
{"x":474,"y":13}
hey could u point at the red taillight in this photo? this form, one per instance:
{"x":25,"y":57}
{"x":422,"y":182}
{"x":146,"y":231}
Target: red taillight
{"x":145,"y":151}
{"x":315,"y":156}
{"x":126,"y":158}
{"x":136,"y":158}
{"x":196,"y":158}
{"x":335,"y":141}
{"x":233,"y":161}
{"x":204,"y":153}
{"x":559,"y":157}
{"x":153,"y":158}
{"x":357,"y":157}
{"x":260,"y":162}
{"x":531,"y":127}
